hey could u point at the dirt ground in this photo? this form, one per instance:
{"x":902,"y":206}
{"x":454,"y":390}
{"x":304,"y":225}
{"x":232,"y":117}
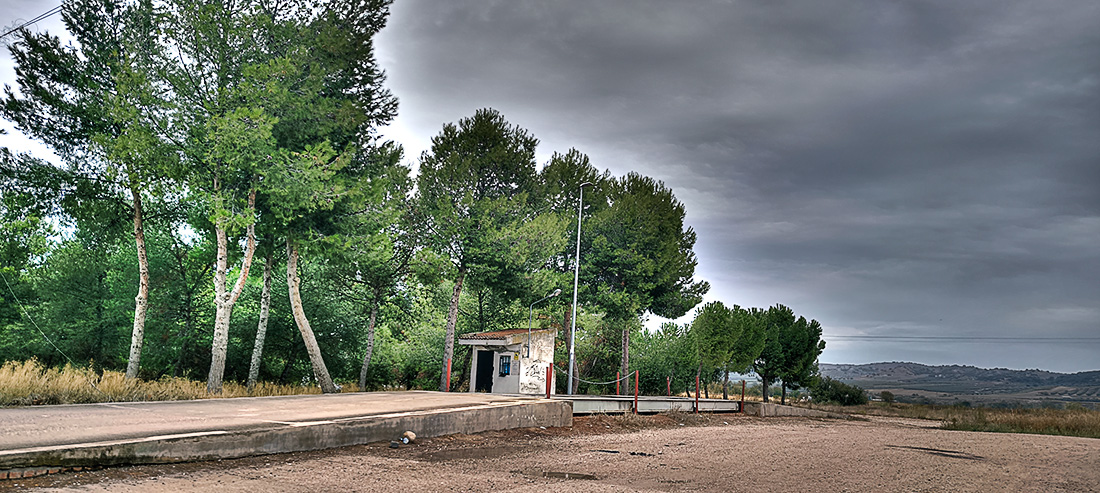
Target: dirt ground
{"x":655,"y":453}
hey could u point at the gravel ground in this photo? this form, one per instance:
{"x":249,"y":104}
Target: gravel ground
{"x":656,"y":453}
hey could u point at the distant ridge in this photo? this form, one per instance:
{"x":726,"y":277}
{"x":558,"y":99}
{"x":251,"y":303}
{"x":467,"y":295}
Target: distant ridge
{"x":904,"y":371}
{"x":946,"y":382}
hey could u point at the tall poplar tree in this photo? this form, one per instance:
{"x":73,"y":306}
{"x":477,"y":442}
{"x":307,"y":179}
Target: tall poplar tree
{"x":274,"y":103}
{"x":93,"y":102}
{"x":328,"y":194}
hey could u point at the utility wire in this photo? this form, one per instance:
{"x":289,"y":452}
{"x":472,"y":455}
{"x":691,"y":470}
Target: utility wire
{"x":35,"y":324}
{"x":990,"y":339}
{"x":559,"y":370}
{"x":42,"y":16}
{"x":40,"y":331}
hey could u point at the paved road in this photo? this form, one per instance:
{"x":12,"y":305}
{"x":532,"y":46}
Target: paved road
{"x":43,"y":426}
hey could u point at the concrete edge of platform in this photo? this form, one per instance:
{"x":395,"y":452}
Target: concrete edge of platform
{"x":299,"y":437}
{"x":769,"y":410}
{"x":595,"y":404}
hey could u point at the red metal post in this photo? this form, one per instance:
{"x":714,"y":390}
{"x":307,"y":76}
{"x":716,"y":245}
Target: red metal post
{"x":549,"y":376}
{"x":668,"y":382}
{"x":696,"y":394}
{"x":635,"y":391}
{"x":742,"y":409}
{"x":618,"y":377}
{"x":448,"y":374}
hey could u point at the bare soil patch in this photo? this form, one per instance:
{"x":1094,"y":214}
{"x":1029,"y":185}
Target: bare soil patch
{"x":678,"y":452}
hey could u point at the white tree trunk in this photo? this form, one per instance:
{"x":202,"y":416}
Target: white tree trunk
{"x":141,"y":301}
{"x":224,"y":301}
{"x":370,"y":341}
{"x":261,"y":328}
{"x":293,"y":283}
{"x":452,"y":317}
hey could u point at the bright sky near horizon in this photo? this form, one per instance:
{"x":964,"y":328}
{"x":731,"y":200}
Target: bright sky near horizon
{"x":922,"y":178}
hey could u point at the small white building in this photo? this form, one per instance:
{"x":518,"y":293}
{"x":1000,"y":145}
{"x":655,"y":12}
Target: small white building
{"x":507,"y":362}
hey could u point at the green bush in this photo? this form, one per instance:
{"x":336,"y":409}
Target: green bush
{"x":887,"y":396}
{"x":828,"y":390}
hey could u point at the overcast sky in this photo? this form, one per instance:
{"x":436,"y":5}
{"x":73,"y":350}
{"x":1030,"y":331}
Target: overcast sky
{"x":923,"y":178}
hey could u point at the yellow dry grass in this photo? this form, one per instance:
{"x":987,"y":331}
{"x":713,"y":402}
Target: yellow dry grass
{"x":1075,"y":420}
{"x":30,"y":383}
{"x":1078,"y":422}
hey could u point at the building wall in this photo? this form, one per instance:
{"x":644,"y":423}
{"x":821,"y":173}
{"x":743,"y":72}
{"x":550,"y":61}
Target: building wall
{"x":507,"y":384}
{"x":528,"y":373}
{"x":532,"y":378}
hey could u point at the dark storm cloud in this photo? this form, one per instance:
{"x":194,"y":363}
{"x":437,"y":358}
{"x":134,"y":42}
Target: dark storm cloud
{"x":913,"y":168}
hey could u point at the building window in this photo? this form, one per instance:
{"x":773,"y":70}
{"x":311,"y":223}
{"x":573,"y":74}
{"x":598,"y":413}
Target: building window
{"x":505,"y":366}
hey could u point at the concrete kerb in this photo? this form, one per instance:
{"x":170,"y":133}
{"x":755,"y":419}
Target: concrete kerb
{"x":300,"y":437}
{"x":769,"y":410}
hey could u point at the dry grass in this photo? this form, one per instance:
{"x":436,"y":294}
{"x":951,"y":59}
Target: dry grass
{"x":916,"y":411}
{"x":1078,"y":422}
{"x":1074,"y":421}
{"x":29,"y":383}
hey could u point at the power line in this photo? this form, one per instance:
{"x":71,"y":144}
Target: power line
{"x":32,"y":21}
{"x":989,"y":339}
{"x":40,"y":331}
{"x":31,"y":320}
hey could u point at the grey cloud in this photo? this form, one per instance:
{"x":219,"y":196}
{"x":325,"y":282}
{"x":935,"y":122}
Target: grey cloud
{"x":920,"y":167}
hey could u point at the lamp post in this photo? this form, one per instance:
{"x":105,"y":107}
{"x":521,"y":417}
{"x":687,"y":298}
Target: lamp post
{"x":531,"y":320}
{"x":576,"y":280}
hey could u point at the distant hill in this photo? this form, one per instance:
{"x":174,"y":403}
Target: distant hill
{"x":956,"y":382}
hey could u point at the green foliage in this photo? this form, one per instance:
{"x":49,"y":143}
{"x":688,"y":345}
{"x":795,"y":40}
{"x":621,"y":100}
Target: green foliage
{"x":791,"y":348}
{"x":887,"y":396}
{"x":474,"y":186}
{"x":827,"y":390}
{"x":666,"y":353}
{"x":802,"y":344}
{"x":639,"y":252}
{"x":714,"y":334}
{"x":770,"y":364}
{"x":750,"y":343}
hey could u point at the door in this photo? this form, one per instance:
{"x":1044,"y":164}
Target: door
{"x":484,"y":380}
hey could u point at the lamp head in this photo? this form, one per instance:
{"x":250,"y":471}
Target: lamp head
{"x":555,"y":293}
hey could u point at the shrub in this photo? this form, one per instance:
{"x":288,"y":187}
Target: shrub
{"x":887,"y":396}
{"x":835,"y":391}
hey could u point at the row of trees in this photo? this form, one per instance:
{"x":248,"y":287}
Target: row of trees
{"x":198,"y":135}
{"x":721,"y":340}
{"x":253,"y":109}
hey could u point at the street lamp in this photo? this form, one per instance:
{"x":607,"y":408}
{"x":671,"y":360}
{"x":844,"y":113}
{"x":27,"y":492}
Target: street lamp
{"x":576,"y":279}
{"x":531,"y":320}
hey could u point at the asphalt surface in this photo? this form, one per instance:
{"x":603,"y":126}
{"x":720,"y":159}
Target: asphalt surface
{"x":46,"y":426}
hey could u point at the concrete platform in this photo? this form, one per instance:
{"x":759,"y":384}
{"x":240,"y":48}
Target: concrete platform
{"x":772,"y":410}
{"x":48,"y":438}
{"x":612,"y":404}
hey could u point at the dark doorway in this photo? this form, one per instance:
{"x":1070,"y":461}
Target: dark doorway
{"x":484,"y":380}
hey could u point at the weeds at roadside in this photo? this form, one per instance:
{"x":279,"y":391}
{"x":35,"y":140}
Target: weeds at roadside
{"x":1070,"y":422}
{"x":30,"y":383}
{"x":1074,"y":421}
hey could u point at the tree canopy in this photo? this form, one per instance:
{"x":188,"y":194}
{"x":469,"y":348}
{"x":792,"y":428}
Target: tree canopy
{"x":199,"y":134}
